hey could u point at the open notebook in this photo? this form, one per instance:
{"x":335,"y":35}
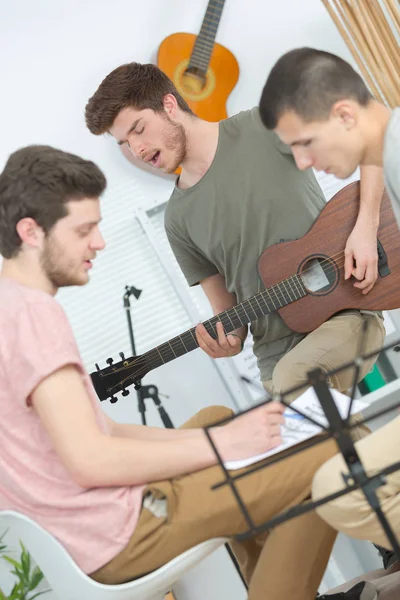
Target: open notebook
{"x":296,"y":429}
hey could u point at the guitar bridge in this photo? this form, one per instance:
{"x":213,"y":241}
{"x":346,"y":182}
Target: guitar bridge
{"x":383,"y":267}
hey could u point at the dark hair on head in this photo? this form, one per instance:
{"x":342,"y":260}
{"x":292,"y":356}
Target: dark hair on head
{"x":37,"y":182}
{"x":132,"y":85}
{"x":309,"y":82}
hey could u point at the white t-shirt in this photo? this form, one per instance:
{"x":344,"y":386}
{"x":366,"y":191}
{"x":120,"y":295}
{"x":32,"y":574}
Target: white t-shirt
{"x":391,"y":161}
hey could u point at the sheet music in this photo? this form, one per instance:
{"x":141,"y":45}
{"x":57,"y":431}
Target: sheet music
{"x":297,"y":429}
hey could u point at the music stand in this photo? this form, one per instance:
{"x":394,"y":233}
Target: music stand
{"x":338,"y":429}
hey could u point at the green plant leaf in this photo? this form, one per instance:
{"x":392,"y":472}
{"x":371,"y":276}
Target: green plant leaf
{"x":3,"y":547}
{"x":17,"y":593}
{"x":21,"y":576}
{"x":36,"y":578}
{"x":13,"y":562}
{"x":25,"y":562}
{"x":28,"y":577}
{"x":39,"y":594}
{"x":3,"y":534}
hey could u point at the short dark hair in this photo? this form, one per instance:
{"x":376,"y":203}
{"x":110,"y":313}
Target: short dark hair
{"x":309,"y":82}
{"x":132,"y":85}
{"x":37,"y":182}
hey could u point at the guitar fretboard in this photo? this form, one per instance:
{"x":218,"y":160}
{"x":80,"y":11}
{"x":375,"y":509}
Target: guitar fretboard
{"x":204,"y":44}
{"x":264,"y":303}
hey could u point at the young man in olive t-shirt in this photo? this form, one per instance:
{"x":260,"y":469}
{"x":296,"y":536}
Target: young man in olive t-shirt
{"x":239,"y":191}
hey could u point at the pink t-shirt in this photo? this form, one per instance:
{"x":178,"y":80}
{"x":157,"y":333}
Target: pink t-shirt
{"x":94,"y":525}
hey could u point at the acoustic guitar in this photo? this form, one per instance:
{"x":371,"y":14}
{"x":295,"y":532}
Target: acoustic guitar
{"x":203,"y":71}
{"x":304,"y":282}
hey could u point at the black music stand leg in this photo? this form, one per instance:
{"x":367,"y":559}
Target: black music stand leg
{"x":236,"y":565}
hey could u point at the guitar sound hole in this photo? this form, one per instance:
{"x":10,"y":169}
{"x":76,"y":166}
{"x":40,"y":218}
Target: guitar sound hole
{"x":319,"y":274}
{"x":194,"y":78}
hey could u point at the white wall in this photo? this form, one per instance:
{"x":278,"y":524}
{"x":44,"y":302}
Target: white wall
{"x":55,"y":53}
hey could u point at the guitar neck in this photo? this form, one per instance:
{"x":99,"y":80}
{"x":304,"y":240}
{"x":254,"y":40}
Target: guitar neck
{"x":263,"y":303}
{"x":204,"y":44}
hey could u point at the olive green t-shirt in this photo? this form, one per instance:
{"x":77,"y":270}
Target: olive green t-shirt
{"x":252,"y":196}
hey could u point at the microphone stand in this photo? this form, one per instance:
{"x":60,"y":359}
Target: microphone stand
{"x":146,"y":391}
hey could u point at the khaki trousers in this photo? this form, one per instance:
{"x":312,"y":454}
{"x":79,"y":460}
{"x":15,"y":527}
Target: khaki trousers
{"x":351,"y":513}
{"x":331,"y":345}
{"x":289,"y":562}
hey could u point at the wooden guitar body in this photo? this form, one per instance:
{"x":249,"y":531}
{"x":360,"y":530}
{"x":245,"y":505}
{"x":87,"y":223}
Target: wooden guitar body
{"x":325,"y":241}
{"x":207,"y":102}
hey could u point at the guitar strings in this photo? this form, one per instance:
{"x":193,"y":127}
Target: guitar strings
{"x":144,"y":370}
{"x":138,"y":359}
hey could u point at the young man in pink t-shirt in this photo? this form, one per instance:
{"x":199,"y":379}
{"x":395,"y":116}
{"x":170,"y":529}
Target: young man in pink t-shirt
{"x":123,"y":499}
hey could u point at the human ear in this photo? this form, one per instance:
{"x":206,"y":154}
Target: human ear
{"x":345,"y":112}
{"x":30,"y":232}
{"x":170,"y":105}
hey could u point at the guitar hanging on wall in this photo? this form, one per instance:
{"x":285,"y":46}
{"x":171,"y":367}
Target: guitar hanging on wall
{"x":203,"y":71}
{"x":304,"y":282}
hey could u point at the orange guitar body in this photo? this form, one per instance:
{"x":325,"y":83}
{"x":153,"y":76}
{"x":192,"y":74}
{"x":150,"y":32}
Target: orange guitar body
{"x":209,"y":102}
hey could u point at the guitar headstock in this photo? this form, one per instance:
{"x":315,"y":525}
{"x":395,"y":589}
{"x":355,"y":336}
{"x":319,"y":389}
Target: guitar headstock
{"x":118,"y":376}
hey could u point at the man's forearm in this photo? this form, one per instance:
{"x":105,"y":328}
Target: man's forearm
{"x":115,"y":461}
{"x":142,"y":432}
{"x":372,"y":185}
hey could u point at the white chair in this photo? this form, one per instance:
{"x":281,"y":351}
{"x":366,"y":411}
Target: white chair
{"x":67,"y":580}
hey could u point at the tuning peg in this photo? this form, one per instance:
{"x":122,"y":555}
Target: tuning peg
{"x":125,"y":392}
{"x":110,"y":361}
{"x":122,"y":355}
{"x":113,"y":399}
{"x":97,"y":367}
{"x":137,"y":386}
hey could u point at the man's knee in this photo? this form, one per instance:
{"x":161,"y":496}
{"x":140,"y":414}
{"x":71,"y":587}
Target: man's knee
{"x":343,"y":512}
{"x":289,"y":374}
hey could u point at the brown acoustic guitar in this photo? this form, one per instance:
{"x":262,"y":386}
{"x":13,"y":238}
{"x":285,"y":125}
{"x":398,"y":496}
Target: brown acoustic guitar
{"x":304,"y":282}
{"x":203,"y":71}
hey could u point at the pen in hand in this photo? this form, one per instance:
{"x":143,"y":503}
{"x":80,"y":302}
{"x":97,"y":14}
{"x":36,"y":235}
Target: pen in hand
{"x":293,"y":416}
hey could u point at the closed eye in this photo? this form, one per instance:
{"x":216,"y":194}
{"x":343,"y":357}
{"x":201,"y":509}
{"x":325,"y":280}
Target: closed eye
{"x":83,"y":232}
{"x":302,"y":143}
{"x":86,"y":229}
